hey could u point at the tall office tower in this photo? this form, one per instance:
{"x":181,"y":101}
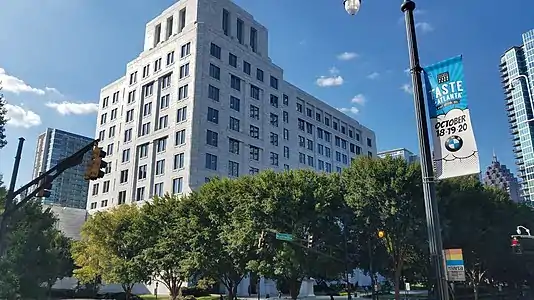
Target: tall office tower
{"x":499,"y":176}
{"x":404,"y":153}
{"x":204,"y":99}
{"x":69,"y":189}
{"x":517,"y":72}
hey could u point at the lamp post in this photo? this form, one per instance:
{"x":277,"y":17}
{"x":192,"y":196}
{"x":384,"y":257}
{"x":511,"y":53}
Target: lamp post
{"x":429,"y":189}
{"x":518,"y":230}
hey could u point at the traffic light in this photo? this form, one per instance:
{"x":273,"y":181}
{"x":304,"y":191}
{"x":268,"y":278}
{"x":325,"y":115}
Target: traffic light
{"x":310,"y":240}
{"x":516,"y":246}
{"x":95,"y":166}
{"x":261,"y":240}
{"x":45,"y":187}
{"x":381,"y":234}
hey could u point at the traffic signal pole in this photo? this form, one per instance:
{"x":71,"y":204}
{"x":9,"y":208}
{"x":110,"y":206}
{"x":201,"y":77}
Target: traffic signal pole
{"x":51,"y":174}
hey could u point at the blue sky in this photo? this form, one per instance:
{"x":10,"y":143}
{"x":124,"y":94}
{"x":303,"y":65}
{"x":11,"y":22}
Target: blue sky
{"x":55,"y":55}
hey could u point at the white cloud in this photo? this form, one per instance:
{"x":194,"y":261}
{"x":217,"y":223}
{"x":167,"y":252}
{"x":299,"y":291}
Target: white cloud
{"x":325,"y":81}
{"x":347,"y":56}
{"x":424,"y":27}
{"x":19,"y":117}
{"x":352,"y":110}
{"x":53,"y":90}
{"x":407,"y":88}
{"x":359,"y":99}
{"x":72,"y":108}
{"x":16,"y":85}
{"x":334,"y":71}
{"x":373,"y":75}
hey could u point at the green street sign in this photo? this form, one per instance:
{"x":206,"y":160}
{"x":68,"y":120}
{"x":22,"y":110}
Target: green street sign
{"x":284,"y":237}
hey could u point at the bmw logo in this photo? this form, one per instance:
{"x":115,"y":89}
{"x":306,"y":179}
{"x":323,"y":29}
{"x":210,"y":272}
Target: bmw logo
{"x":454,"y":143}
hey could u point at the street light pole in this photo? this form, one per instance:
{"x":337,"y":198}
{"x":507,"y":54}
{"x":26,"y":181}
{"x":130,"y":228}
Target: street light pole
{"x":429,"y":188}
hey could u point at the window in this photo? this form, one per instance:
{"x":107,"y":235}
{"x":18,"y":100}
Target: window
{"x":213,"y":115}
{"x":105,"y":188}
{"x":184,"y":71}
{"x":286,"y":117}
{"x":286,"y":167}
{"x":147,"y":109}
{"x":163,"y":121}
{"x":369,"y":142}
{"x":302,"y":158}
{"x":113,"y":114}
{"x":170,"y":21}
{"x":233,"y":168}
{"x":122,"y":198}
{"x":254,"y":132}
{"x":274,"y":139}
{"x":178,"y":162}
{"x":181,"y":114}
{"x":274,"y":120}
{"x":148,"y":89}
{"x":286,"y":134}
{"x":164,"y":101}
{"x":302,"y":141}
{"x":157,"y":34}
{"x":111,"y":132}
{"x":143,"y":151}
{"x":274,"y":100}
{"x":254,"y":92}
{"x":145,"y":129}
{"x":177,"y":185}
{"x":133,"y":78}
{"x":157,"y":65}
{"x":253,"y":171}
{"x":95,"y":189}
{"x":146,"y":70}
{"x":253,"y":39}
{"x":183,"y":92}
{"x":274,"y":159}
{"x":212,"y":138}
{"x":285,"y":100}
{"x":213,"y":93}
{"x":125,"y":155}
{"x":235,"y":103}
{"x":160,"y":167}
{"x":131,"y":96}
{"x":158,"y":189}
{"x":369,"y":154}
{"x":240,"y":32}
{"x":286,"y":152}
{"x":115,"y":97}
{"x":233,"y":146}
{"x":170,"y":58}
{"x":310,"y":161}
{"x":161,"y":144}
{"x":179,"y":137}
{"x":226,"y":22}
{"x":232,"y":60}
{"x":124,"y":176}
{"x":141,"y":172}
{"x":254,"y":112}
{"x":101,"y":135}
{"x":215,"y":72}
{"x":215,"y":51}
{"x":110,"y":149}
{"x":181,"y":20}
{"x":129,"y":115}
{"x":186,"y":50}
{"x":259,"y":74}
{"x":299,"y":107}
{"x":318,"y":117}
{"x":105,"y":102}
{"x":274,"y":82}
{"x":235,"y":82}
{"x":234,"y":124}
{"x":211,"y":162}
{"x":301,"y":124}
{"x":254,"y":153}
{"x":246,"y":67}
{"x":140,"y":194}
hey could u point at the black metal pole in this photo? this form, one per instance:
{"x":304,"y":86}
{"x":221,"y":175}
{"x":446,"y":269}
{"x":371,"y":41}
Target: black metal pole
{"x":371,"y":271}
{"x":429,"y":189}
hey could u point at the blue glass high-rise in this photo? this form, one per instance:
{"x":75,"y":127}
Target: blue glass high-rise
{"x":517,"y":73}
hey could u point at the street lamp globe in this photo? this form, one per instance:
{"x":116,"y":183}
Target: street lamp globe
{"x":352,"y":6}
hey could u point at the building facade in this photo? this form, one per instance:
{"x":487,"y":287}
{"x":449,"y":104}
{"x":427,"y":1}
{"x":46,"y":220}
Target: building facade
{"x":204,"y":99}
{"x":403,"y":153}
{"x":499,"y":176}
{"x":69,"y":189}
{"x":517,"y":73}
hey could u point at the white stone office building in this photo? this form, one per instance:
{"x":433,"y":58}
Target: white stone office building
{"x":204,"y":99}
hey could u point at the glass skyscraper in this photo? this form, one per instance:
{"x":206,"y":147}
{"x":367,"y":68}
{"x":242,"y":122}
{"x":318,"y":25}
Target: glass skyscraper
{"x":69,"y":189}
{"x":517,"y":73}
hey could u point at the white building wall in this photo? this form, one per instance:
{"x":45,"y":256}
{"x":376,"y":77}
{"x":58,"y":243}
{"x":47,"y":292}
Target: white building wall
{"x":202,"y":26}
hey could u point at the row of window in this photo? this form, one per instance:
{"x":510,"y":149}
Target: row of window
{"x":240,"y":30}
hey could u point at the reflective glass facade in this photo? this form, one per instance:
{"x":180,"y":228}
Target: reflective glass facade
{"x":69,"y":189}
{"x":517,"y":73}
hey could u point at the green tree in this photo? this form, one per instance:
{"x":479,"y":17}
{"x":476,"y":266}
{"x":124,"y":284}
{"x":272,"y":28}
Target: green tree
{"x":301,"y":203}
{"x":165,"y":229}
{"x":386,"y":194}
{"x":3,"y":121}
{"x":224,"y":231}
{"x":110,"y":249}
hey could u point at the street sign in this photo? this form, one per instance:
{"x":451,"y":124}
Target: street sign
{"x":284,"y":237}
{"x":454,"y":263}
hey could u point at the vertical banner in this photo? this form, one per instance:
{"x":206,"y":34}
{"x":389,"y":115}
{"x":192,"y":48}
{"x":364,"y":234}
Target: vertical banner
{"x":455,"y":149}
